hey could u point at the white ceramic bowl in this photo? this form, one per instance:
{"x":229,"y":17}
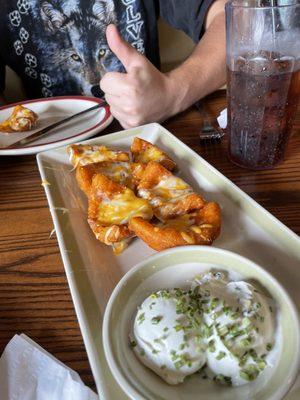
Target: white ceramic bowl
{"x":175,"y":268}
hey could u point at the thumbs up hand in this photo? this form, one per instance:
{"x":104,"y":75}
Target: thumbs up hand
{"x":143,"y":94}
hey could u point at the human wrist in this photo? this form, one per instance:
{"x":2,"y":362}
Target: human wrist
{"x":185,"y":86}
{"x":175,"y":92}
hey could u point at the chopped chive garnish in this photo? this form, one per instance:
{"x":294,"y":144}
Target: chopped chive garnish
{"x":245,"y":376}
{"x":178,"y":364}
{"x":221,"y":355}
{"x":178,"y":327}
{"x":141,"y":318}
{"x":249,"y":373}
{"x":246,"y":321}
{"x":133,"y":344}
{"x":261,"y":365}
{"x":211,"y":346}
{"x":223,"y":380}
{"x":156,"y":320}
{"x":246,"y":342}
{"x":261,"y":318}
{"x":155,"y":351}
{"x":142,"y":352}
{"x":269,"y":346}
{"x":166,"y":329}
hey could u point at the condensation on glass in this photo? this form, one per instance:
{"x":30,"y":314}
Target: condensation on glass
{"x":263,"y":70}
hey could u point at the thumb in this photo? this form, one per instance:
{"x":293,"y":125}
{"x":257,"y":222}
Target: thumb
{"x":127,"y":54}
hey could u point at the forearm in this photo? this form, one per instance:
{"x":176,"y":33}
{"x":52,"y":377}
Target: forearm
{"x":204,"y":71}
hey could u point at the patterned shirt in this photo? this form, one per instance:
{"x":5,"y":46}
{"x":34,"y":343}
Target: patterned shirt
{"x":58,"y":47}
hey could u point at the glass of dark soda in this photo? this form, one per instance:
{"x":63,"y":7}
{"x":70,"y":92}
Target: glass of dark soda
{"x":263,"y":79}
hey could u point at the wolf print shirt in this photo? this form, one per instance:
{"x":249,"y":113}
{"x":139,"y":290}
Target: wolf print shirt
{"x":59,"y":47}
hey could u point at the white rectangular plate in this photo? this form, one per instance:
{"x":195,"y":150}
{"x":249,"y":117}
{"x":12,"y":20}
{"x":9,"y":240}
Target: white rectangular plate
{"x":92,"y":269}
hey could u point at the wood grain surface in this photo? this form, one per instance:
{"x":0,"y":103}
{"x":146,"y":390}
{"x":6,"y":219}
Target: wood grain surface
{"x":34,"y":294}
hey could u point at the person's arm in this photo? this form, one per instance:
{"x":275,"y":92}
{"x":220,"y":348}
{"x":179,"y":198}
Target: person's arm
{"x":144,"y":94}
{"x":205,"y":70}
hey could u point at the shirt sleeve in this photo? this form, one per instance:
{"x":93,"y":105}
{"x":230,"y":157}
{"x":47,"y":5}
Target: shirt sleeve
{"x":187,"y":16}
{"x":2,"y":76}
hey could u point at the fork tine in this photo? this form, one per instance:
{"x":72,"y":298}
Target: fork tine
{"x":209,"y":130}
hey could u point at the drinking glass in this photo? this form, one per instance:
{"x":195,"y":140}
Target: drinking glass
{"x":263,"y":79}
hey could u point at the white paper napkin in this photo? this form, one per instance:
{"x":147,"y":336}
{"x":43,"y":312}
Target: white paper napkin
{"x":28,"y":372}
{"x":222,"y":119}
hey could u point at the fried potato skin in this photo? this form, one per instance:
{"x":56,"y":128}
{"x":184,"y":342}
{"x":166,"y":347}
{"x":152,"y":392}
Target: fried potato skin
{"x":121,"y":172}
{"x":109,"y":234}
{"x":144,"y":152}
{"x":101,"y":188}
{"x":206,"y":229}
{"x":111,"y":206}
{"x":168,"y":207}
{"x":84,"y":154}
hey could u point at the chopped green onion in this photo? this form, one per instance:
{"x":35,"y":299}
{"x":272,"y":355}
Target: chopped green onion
{"x":221,"y":355}
{"x":142,"y":352}
{"x":156,"y":320}
{"x":211,"y":346}
{"x":269,"y":346}
{"x":141,"y":318}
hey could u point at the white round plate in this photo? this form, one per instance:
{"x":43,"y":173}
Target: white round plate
{"x":51,"y":110}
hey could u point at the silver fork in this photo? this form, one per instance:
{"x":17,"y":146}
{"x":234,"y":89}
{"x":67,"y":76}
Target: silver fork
{"x":210,"y":129}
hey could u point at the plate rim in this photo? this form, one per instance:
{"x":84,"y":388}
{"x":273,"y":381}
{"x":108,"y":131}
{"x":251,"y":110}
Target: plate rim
{"x":105,"y":121}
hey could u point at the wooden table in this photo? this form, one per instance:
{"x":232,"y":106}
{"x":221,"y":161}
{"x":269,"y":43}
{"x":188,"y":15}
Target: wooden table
{"x":34,"y":294}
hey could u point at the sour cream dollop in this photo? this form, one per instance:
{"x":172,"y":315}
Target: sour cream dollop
{"x":161,"y":343}
{"x":223,"y":327}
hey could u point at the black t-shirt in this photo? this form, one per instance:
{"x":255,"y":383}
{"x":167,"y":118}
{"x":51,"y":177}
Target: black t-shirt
{"x":58,"y":47}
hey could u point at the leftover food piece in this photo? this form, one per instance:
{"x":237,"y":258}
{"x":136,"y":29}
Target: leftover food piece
{"x":22,"y":119}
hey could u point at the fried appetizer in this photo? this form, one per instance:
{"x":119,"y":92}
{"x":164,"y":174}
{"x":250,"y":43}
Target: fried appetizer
{"x":21,"y":120}
{"x":84,"y":154}
{"x":144,"y":152}
{"x":169,"y":195}
{"x":122,"y":172}
{"x":119,"y":172}
{"x":200,"y":227}
{"x":111,"y":206}
{"x":116,"y":236}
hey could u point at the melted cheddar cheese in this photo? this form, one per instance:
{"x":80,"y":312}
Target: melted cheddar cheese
{"x":121,"y":208}
{"x":88,"y":154}
{"x":150,"y":154}
{"x":169,"y":188}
